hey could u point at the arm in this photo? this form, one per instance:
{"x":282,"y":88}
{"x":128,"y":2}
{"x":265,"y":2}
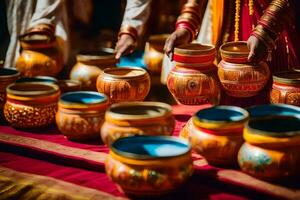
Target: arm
{"x":187,"y":25}
{"x":136,"y":14}
{"x":262,"y":39}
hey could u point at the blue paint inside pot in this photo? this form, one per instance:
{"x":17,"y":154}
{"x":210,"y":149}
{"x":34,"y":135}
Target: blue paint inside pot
{"x":274,"y":109}
{"x":7,"y":72}
{"x":145,"y":147}
{"x":221,"y":113}
{"x":83,"y":97}
{"x":277,"y":126}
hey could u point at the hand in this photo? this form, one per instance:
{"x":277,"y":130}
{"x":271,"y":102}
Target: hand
{"x":125,"y":45}
{"x":179,"y":36}
{"x":258,"y":50}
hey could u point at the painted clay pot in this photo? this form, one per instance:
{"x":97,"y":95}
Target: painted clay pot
{"x":239,"y":77}
{"x":124,"y":84}
{"x":194,"y":78}
{"x":154,"y":53}
{"x":7,"y":76}
{"x":80,"y":114}
{"x":286,"y":88}
{"x":31,"y":105}
{"x":40,"y":56}
{"x":216,"y":133}
{"x":69,"y":85}
{"x":137,"y":118}
{"x":272,"y":148}
{"x":89,"y":66}
{"x":149,"y":166}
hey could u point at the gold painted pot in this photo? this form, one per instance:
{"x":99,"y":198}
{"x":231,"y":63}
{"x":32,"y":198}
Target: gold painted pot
{"x":239,"y":77}
{"x":154,"y":53}
{"x":80,"y":114}
{"x":31,"y":105}
{"x":40,"y":56}
{"x":7,"y":76}
{"x":194,"y":79}
{"x":89,"y":66}
{"x":149,"y":166}
{"x":216,"y":133}
{"x":272,"y":148}
{"x":124,"y":84}
{"x":286,"y":88}
{"x":137,"y":118}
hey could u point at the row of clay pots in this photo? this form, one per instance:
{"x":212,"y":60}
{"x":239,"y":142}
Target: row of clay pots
{"x":195,"y":78}
{"x":271,"y":149}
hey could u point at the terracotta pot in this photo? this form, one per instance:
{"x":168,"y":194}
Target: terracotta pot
{"x":216,"y":133}
{"x":272,"y":148}
{"x":81,"y":114}
{"x":124,"y":84}
{"x":137,"y":118}
{"x":69,"y":85}
{"x":194,"y":79}
{"x":154,"y":53}
{"x":149,"y":166}
{"x":286,"y":88}
{"x":40,"y":56}
{"x":89,"y":66}
{"x":238,"y":77}
{"x":7,"y":76}
{"x":31,"y":105}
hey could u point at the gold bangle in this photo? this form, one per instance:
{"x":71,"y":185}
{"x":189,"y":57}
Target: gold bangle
{"x":128,"y":30}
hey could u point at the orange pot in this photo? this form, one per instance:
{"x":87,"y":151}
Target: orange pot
{"x":149,"y":166}
{"x":154,"y":53}
{"x":7,"y":76}
{"x":124,"y":84}
{"x":194,"y":79}
{"x":80,"y":114}
{"x":238,"y":77}
{"x":286,"y":88}
{"x":31,"y":105}
{"x":89,"y":66}
{"x":40,"y":56}
{"x":137,"y":118}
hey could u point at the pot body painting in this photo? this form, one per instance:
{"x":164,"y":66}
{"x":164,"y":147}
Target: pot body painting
{"x":124,"y":84}
{"x":272,"y":148}
{"x":81,"y":114}
{"x":7,"y":76}
{"x":286,"y":88}
{"x":239,"y":77}
{"x":194,"y":80}
{"x":40,"y":56}
{"x":31,"y":105}
{"x":216,"y":133}
{"x":89,"y":66}
{"x":163,"y":166}
{"x":137,"y":118}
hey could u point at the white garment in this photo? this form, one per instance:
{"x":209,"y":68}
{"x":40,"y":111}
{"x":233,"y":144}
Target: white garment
{"x":136,"y":14}
{"x":25,"y":14}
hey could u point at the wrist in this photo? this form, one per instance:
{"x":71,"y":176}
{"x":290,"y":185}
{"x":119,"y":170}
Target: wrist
{"x":128,"y":30}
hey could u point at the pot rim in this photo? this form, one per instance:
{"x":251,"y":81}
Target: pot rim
{"x":279,"y":77}
{"x":136,"y":156}
{"x":105,"y":73}
{"x":72,"y":104}
{"x":221,"y":124}
{"x":274,"y":134}
{"x":34,"y":79}
{"x":53,"y":88}
{"x":15,"y":74}
{"x":95,"y":55}
{"x":196,"y":49}
{"x":230,"y":53}
{"x":265,"y":110}
{"x":125,"y":117}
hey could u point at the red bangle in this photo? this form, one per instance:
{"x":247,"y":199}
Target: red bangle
{"x":188,"y":28}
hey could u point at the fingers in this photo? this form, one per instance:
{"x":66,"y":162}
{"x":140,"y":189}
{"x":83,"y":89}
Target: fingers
{"x":169,"y":46}
{"x":124,"y":47}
